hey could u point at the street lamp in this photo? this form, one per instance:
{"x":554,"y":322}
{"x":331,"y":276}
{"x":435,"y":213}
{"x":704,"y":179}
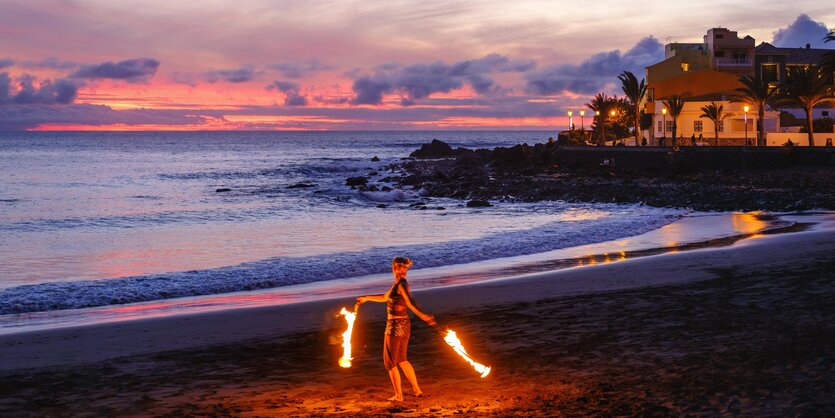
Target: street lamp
{"x":664,"y":124}
{"x":582,"y":122}
{"x":612,"y":114}
{"x":600,"y":121}
{"x":745,"y":108}
{"x":570,"y":120}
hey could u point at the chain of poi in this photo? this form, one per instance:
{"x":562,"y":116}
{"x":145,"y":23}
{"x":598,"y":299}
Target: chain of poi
{"x":350,"y":317}
{"x":453,"y":341}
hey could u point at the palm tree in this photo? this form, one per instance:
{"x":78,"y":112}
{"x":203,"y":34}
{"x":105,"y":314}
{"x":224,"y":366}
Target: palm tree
{"x":805,"y":88}
{"x":635,"y":92}
{"x":759,"y":93}
{"x":828,"y":60}
{"x":601,"y":105}
{"x":674,"y":105}
{"x":715,"y":113}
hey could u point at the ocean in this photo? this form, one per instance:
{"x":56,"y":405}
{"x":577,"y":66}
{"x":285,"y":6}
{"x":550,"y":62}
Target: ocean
{"x":91,"y":219}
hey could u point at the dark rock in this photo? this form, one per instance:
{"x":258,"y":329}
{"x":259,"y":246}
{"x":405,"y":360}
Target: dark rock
{"x":478,"y":204}
{"x":223,"y":190}
{"x":382,"y":205}
{"x":386,"y":189}
{"x":375,"y":158}
{"x":356,"y":181}
{"x":301,"y":185}
{"x":373,"y":173}
{"x":435,"y":149}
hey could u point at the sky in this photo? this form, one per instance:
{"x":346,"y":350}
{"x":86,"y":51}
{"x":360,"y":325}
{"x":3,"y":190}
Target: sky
{"x":347,"y":64}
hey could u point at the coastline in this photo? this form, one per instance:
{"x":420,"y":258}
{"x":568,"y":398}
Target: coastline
{"x":692,"y":231}
{"x":652,"y":335}
{"x":700,"y":178}
{"x":91,"y":343}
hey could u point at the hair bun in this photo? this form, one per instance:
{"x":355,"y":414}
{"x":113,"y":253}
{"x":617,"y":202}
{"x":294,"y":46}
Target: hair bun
{"x":406,"y":261}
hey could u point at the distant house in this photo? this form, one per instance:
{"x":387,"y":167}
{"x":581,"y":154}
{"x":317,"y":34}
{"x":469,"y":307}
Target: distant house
{"x":702,"y":73}
{"x":708,"y":72}
{"x":774,"y":64}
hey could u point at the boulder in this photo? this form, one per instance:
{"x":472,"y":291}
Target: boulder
{"x":301,"y":185}
{"x":434,"y":149}
{"x":356,"y":181}
{"x":478,"y":204}
{"x":375,"y":159}
{"x":223,"y":190}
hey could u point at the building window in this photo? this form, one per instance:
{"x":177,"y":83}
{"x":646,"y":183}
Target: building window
{"x":721,"y":126}
{"x":770,"y":73}
{"x":720,"y":54}
{"x":669,"y":126}
{"x":685,"y":67}
{"x":697,"y":126}
{"x":720,"y":36}
{"x":739,"y":56}
{"x":660,"y":126}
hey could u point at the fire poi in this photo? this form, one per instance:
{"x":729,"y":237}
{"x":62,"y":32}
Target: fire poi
{"x":453,"y":341}
{"x":350,"y":317}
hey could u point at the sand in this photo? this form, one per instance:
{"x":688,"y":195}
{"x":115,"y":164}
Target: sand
{"x":745,"y":329}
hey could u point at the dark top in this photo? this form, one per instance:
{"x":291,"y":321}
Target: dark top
{"x":396,"y":305}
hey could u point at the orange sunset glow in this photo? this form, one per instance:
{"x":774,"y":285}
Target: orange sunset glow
{"x":105,"y":66}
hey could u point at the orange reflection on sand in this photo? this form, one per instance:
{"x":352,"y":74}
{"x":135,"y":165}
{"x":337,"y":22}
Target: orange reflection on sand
{"x":747,"y":223}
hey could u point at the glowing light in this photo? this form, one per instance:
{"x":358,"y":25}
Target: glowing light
{"x":453,"y":341}
{"x":350,"y":317}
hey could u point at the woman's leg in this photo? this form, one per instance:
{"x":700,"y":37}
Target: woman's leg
{"x":409,"y":371}
{"x":394,"y":375}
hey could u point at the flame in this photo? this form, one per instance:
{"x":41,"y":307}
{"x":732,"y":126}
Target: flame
{"x":453,"y":341}
{"x":350,"y":317}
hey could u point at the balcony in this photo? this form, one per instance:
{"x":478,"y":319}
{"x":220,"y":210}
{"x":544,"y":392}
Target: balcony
{"x":733,"y":62}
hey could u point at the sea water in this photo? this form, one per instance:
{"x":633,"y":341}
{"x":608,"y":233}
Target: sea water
{"x":103,"y":218}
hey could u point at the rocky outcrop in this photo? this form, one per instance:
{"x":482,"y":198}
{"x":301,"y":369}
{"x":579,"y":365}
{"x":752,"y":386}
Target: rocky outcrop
{"x":438,"y":149}
{"x":699,"y":178}
{"x":356,"y":181}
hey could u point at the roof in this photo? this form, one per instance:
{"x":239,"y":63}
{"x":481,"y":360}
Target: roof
{"x":794,"y":55}
{"x":710,"y":84}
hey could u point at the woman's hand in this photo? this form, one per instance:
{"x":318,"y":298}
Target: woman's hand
{"x":430,"y":319}
{"x":361,"y":300}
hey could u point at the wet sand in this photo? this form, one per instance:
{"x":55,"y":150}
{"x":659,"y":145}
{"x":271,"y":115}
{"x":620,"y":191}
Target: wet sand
{"x":740,"y":330}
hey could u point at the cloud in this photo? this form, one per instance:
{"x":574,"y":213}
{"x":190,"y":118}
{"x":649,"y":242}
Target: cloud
{"x":6,"y":62}
{"x":133,"y":70}
{"x":300,"y":69}
{"x":291,"y":92}
{"x":30,"y":116}
{"x":595,"y":73}
{"x":48,"y":92}
{"x":51,"y":62}
{"x":419,"y":81}
{"x":235,"y":75}
{"x":800,"y":32}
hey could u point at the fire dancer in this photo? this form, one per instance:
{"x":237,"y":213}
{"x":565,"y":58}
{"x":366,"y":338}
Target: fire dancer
{"x":398,"y":326}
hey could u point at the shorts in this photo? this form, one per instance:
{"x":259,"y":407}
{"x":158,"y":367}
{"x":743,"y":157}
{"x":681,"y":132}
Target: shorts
{"x":396,"y":342}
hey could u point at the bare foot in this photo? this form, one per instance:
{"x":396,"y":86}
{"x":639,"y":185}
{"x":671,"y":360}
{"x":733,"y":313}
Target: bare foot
{"x":418,"y":394}
{"x":396,"y":398}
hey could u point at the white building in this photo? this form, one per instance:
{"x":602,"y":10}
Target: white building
{"x":732,"y":129}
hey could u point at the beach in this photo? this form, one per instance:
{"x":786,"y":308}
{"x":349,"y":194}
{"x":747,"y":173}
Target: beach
{"x":741,"y":329}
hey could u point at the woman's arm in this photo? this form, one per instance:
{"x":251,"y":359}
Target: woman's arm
{"x":403,"y":290}
{"x":372,"y":298}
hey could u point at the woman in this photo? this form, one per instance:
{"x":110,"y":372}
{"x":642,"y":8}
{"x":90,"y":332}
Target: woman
{"x":398,"y":327}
